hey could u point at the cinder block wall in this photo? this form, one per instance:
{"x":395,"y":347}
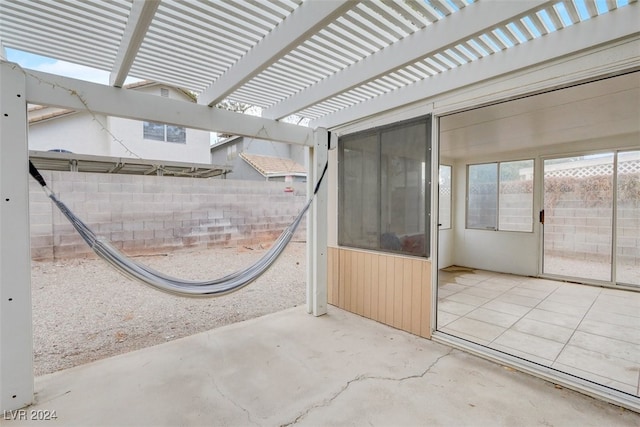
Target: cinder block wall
{"x":574,"y":230}
{"x":151,"y":214}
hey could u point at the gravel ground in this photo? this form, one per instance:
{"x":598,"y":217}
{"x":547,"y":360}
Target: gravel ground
{"x":83,"y":310}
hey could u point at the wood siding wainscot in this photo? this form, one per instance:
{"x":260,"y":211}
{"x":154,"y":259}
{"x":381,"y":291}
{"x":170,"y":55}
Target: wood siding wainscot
{"x":391,"y":289}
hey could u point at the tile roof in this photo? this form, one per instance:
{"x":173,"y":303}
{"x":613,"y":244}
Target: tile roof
{"x":270,"y":166}
{"x":35,"y":116}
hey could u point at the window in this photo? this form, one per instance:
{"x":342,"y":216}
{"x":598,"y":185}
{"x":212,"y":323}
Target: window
{"x":444,"y":203}
{"x":482,"y":200}
{"x":385,"y":188}
{"x":500,"y":196}
{"x":162,"y":132}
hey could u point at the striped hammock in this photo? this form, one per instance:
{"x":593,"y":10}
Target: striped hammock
{"x":191,"y":288}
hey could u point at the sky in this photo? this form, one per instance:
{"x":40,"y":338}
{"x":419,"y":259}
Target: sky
{"x":61,"y":68}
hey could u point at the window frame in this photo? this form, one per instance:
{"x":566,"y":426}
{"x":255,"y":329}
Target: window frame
{"x":165,"y":132}
{"x":378,"y":132}
{"x":498,"y":182}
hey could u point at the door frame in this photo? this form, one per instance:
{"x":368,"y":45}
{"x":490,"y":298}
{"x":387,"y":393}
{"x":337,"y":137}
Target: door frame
{"x":612,"y":283}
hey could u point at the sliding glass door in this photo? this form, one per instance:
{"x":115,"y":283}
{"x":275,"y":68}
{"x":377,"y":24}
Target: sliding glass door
{"x":627,"y":266}
{"x":591,"y":207}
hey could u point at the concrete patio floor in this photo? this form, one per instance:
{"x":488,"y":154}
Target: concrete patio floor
{"x":291,"y":368}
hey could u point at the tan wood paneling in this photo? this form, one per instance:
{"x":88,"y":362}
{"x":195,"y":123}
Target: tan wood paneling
{"x":391,"y":289}
{"x":367,"y":287}
{"x":425,"y":307}
{"x":416,"y":297}
{"x":398,"y":284}
{"x":382,"y":290}
{"x":375,"y":287}
{"x":360,"y":282}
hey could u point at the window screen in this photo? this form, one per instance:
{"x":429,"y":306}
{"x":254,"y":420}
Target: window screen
{"x":360,"y":203}
{"x":402,"y":201}
{"x":385,"y":188}
{"x":176,"y":134}
{"x":154,"y":131}
{"x":482,"y":202}
{"x":163,"y":132}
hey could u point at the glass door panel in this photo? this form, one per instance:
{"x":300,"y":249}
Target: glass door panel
{"x":578,"y":216}
{"x":628,"y":218}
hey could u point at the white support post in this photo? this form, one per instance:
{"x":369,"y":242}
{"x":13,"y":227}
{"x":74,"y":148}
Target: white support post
{"x":16,"y":335}
{"x":317,"y":227}
{"x":310,"y":221}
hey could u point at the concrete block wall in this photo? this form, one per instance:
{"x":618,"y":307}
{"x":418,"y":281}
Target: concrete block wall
{"x":584,"y":232}
{"x":151,"y":214}
{"x":516,"y":212}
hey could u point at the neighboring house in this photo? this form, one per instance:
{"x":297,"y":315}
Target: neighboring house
{"x":57,"y":129}
{"x":259,"y":160}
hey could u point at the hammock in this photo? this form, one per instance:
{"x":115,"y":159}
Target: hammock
{"x":192,"y":288}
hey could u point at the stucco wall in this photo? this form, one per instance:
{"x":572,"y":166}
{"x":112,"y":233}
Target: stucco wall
{"x":195,"y":150}
{"x":96,"y":134}
{"x":151,"y":214}
{"x":78,"y":133}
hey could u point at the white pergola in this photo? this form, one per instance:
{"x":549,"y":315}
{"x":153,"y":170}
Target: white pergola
{"x":333,"y":62}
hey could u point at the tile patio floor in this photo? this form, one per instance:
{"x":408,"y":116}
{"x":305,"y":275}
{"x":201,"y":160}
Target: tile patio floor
{"x":587,"y":331}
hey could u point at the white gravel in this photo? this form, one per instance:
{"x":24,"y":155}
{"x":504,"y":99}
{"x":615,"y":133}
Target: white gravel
{"x":83,"y":310}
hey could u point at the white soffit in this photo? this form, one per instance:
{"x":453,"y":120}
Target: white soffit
{"x":341,"y":59}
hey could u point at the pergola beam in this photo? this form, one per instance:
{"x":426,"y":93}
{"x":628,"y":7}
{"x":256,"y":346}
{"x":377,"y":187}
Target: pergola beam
{"x":460,"y":26}
{"x":305,"y":21}
{"x":142,"y":13}
{"x":619,"y":24}
{"x":64,"y":92}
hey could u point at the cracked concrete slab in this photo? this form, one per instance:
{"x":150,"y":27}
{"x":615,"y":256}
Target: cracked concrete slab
{"x":290,"y":368}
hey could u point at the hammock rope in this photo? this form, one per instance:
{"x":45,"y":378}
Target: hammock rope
{"x":192,"y":288}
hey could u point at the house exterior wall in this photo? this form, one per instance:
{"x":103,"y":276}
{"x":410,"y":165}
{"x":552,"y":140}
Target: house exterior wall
{"x":85,"y":133}
{"x":195,"y":150}
{"x":78,"y":133}
{"x":228,"y":154}
{"x":298,"y":154}
{"x":267,"y":148}
{"x":220,"y":155}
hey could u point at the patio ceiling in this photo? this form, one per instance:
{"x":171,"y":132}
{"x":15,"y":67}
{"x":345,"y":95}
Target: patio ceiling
{"x":329,"y":61}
